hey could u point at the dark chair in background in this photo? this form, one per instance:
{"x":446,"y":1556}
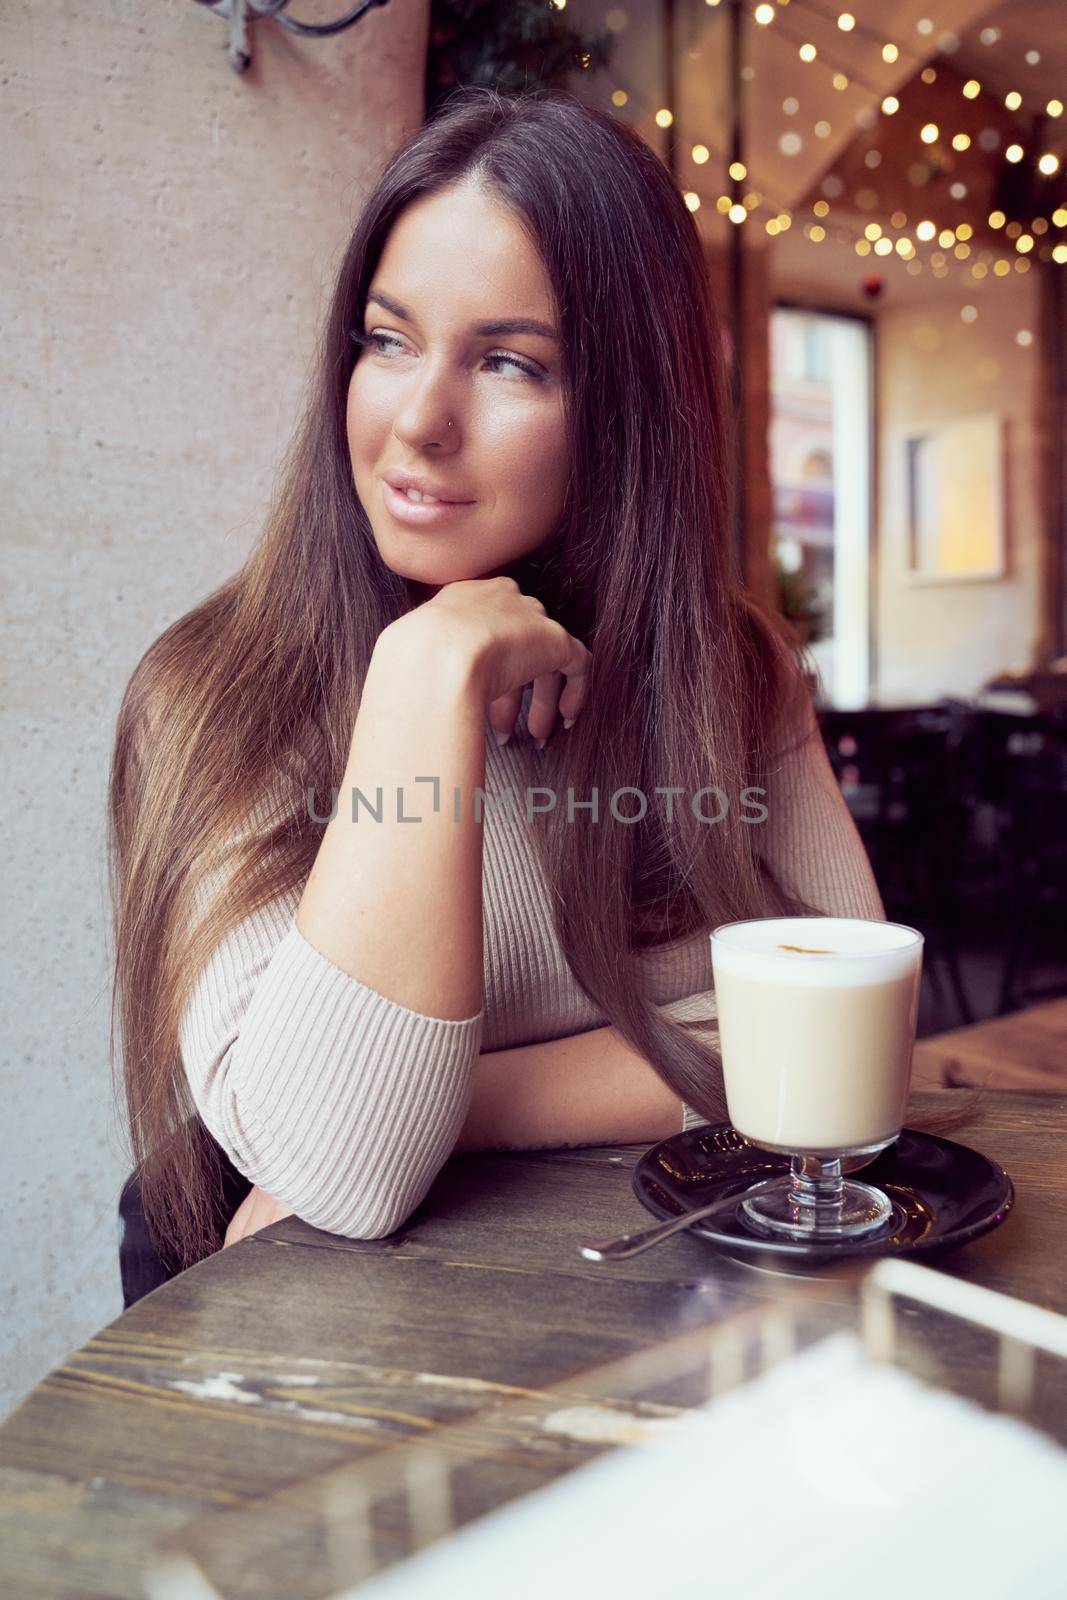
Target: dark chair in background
{"x":963,"y":812}
{"x":1034,"y":886}
{"x":899,"y":773}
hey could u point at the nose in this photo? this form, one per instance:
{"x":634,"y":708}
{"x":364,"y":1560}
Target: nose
{"x":423,"y":416}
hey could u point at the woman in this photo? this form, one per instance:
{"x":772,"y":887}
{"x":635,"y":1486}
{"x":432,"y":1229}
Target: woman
{"x":324,"y":1010}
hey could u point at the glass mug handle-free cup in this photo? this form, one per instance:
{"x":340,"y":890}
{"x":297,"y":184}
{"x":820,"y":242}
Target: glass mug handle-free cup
{"x":817,"y":1023}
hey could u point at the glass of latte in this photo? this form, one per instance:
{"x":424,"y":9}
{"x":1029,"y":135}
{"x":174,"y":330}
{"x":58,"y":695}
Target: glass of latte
{"x":817,"y":1025}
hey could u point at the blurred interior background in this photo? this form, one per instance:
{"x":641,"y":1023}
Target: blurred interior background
{"x":881,"y":191}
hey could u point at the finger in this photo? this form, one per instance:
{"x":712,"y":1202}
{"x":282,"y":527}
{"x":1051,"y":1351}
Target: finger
{"x":544,"y":705}
{"x":574,"y":694}
{"x":503,"y":712}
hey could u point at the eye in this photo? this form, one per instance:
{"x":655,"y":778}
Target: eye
{"x":378,"y":341}
{"x":527,"y":368}
{"x":386,"y":343}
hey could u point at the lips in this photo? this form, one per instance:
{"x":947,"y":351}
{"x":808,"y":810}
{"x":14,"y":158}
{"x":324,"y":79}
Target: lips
{"x":403,"y":481}
{"x":421,"y":514}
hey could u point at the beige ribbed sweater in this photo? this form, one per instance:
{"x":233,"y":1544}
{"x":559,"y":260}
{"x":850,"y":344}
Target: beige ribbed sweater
{"x":344,"y":1105}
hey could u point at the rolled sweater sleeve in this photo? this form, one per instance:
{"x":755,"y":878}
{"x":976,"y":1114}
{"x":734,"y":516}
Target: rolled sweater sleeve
{"x":337,"y":1101}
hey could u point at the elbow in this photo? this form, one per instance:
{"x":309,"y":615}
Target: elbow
{"x":379,"y":1193}
{"x":381,"y":1227}
{"x":254,"y":1151}
{"x":363,"y":1222}
{"x":351,"y":1174}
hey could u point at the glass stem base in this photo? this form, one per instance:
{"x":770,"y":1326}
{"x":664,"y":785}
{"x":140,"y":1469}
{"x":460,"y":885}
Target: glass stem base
{"x":815,"y":1202}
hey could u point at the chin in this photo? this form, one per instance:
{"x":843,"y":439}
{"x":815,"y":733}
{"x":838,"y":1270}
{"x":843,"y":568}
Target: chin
{"x":426,"y":574}
{"x":442,"y":571}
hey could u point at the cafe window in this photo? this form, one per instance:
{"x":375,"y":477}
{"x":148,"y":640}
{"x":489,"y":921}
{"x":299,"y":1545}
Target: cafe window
{"x":820,"y":461}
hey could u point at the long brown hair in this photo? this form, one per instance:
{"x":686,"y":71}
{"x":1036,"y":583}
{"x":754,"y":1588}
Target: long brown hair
{"x":690,"y":677}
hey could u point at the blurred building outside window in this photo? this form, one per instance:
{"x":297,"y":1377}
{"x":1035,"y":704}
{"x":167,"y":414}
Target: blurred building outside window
{"x":820,"y":462}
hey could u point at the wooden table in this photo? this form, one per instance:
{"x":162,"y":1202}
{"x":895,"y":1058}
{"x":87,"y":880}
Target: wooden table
{"x":204,"y":1415}
{"x":1025,"y":1050}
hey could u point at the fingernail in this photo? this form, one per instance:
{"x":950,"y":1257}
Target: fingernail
{"x":540,"y":743}
{"x":501,"y":738}
{"x":568,"y":722}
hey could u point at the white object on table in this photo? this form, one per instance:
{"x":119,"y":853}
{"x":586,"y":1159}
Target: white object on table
{"x":827,"y":1471}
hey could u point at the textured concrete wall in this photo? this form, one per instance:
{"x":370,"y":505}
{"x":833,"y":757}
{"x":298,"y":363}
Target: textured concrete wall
{"x":170,"y":232}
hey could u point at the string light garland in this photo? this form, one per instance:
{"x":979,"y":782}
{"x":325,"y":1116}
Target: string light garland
{"x":875,"y":241}
{"x":843,"y":73}
{"x":708,"y":151}
{"x":947,"y":245}
{"x":872,"y":240}
{"x":1047,"y":164}
{"x":861,"y":30}
{"x":809,"y":52}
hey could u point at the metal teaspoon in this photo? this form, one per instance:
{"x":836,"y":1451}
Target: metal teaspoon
{"x":631,"y":1244}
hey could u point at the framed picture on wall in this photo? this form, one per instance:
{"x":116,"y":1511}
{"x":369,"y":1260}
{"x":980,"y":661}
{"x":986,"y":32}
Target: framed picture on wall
{"x":954,"y":486}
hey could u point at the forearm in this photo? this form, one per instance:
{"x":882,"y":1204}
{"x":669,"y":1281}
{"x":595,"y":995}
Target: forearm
{"x":589,"y":1088}
{"x":398,"y":904}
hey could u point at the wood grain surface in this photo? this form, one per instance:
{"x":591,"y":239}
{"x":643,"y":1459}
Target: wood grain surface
{"x":1025,"y":1050}
{"x":214,"y":1416}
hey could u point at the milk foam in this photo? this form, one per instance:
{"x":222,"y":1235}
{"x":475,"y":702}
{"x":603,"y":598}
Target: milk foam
{"x":830,"y":952}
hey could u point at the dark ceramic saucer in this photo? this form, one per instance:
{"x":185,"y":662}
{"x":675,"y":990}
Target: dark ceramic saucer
{"x":943,"y":1193}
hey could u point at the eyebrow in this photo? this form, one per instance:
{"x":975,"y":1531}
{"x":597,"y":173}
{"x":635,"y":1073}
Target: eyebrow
{"x":481,"y":329}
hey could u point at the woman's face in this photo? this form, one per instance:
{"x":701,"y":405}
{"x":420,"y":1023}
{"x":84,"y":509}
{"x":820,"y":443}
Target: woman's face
{"x":456,"y":266}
